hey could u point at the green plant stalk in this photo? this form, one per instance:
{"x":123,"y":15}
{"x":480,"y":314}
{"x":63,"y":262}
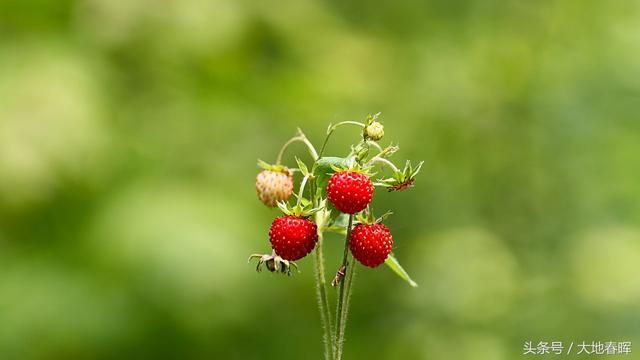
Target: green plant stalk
{"x":301,"y":137}
{"x":301,"y":191}
{"x":323,"y":299}
{"x":345,"y":308}
{"x":384,"y":161}
{"x":342,"y":308}
{"x":332,"y":128}
{"x":332,"y":340}
{"x":320,"y":278}
{"x":321,"y":283}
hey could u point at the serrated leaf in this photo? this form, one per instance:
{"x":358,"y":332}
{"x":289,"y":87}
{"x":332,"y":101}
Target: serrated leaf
{"x":323,"y":169}
{"x":385,"y":182}
{"x":384,"y":216}
{"x":394,"y":265}
{"x":338,"y":225}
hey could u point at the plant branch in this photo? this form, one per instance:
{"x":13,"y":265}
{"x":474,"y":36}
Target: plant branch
{"x":384,"y":161}
{"x":348,"y":285}
{"x":375,"y":145}
{"x":301,"y":191}
{"x":321,"y":284}
{"x":300,"y":137}
{"x":341,"y":312}
{"x":333,"y":128}
{"x":323,"y":299}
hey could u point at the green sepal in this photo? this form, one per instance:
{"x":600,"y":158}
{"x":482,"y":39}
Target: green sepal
{"x":303,"y":168}
{"x":384,"y":217}
{"x":371,"y":118}
{"x":368,"y":217}
{"x":394,"y":265}
{"x":277,"y":168}
{"x":284,"y":207}
{"x":352,"y":165}
{"x":401,"y":180}
{"x":305,"y":209}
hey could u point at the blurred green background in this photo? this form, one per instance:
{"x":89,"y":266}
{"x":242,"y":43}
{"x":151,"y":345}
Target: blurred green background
{"x":129,"y":133}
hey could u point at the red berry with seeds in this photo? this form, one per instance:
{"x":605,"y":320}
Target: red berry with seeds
{"x":371,"y":244}
{"x":293,"y":237}
{"x":350,"y":191}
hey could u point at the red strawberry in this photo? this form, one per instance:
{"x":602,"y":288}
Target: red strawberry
{"x":350,"y":191}
{"x":273,"y":186}
{"x":293,"y":237}
{"x":371,"y":244}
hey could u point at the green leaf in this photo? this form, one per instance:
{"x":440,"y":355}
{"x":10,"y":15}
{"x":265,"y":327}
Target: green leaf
{"x":338,"y":225}
{"x":302,"y":167}
{"x":336,"y":230}
{"x":323,"y":169}
{"x":393,"y":263}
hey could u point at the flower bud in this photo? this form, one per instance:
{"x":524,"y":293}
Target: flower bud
{"x":374,"y":131}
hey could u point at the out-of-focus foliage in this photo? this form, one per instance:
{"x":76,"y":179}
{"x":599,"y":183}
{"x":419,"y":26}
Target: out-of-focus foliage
{"x":129,"y":132}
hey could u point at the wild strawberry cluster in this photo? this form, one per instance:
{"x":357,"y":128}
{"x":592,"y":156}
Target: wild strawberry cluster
{"x":334,"y":195}
{"x":349,"y":190}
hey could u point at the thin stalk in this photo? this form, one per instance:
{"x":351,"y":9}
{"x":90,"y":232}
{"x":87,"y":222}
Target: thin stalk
{"x":375,"y":145}
{"x":321,"y":282}
{"x":300,"y":137}
{"x":384,"y":161}
{"x":352,"y":152}
{"x":312,"y":150}
{"x":332,"y":128}
{"x":323,"y":299}
{"x":348,"y":285}
{"x":321,"y":286}
{"x":341,"y":312}
{"x":301,"y":191}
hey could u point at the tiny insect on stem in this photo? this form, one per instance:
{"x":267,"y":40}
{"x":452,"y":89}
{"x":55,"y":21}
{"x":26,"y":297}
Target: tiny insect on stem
{"x":339,"y":275}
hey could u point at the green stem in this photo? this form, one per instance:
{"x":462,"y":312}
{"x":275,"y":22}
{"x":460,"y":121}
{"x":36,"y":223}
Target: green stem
{"x":332,"y":128}
{"x":386,"y":162}
{"x":323,"y":299}
{"x":342,"y":310}
{"x":301,"y":191}
{"x":375,"y":145}
{"x":330,"y":342}
{"x":348,"y":285}
{"x":300,"y":137}
{"x":321,"y":283}
{"x":349,"y":123}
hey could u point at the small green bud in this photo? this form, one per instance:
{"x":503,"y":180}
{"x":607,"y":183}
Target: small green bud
{"x":374,"y":131}
{"x":361,"y":151}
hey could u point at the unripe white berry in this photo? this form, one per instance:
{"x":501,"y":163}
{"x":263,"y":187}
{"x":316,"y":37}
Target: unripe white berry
{"x":374,"y":131}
